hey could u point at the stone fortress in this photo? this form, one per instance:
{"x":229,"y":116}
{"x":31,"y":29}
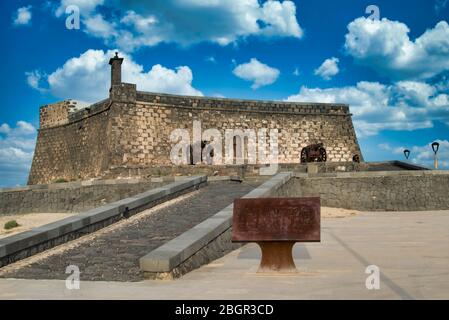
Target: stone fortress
{"x":128,"y":134}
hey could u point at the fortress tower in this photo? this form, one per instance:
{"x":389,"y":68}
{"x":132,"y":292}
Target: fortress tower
{"x":129,"y":132}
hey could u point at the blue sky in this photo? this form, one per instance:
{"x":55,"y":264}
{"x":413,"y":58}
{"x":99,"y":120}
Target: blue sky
{"x":393,"y":71}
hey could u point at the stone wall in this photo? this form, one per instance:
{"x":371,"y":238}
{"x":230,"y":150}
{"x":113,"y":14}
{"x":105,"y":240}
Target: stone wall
{"x":59,"y":113}
{"x":77,"y":150}
{"x":69,"y":197}
{"x":375,"y":191}
{"x":154,"y":117}
{"x":54,"y":114}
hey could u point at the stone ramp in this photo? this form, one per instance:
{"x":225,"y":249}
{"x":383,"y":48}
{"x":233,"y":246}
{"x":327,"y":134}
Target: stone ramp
{"x":28,"y":243}
{"x":112,"y":254}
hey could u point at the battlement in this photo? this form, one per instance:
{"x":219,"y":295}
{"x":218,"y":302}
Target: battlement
{"x":56,"y":114}
{"x":226,"y":104}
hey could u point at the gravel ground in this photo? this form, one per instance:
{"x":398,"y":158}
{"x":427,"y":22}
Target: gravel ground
{"x":112,"y":254}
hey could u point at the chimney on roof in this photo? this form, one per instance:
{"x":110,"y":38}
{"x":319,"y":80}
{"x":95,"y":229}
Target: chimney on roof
{"x":116,"y":69}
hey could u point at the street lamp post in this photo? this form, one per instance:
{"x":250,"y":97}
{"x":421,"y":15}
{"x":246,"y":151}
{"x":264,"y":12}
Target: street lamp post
{"x":435,"y":147}
{"x":406,"y":153}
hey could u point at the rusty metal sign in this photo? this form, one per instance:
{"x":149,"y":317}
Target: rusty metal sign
{"x":276,"y":219}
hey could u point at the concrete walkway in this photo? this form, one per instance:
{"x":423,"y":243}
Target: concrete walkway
{"x":411,"y":249}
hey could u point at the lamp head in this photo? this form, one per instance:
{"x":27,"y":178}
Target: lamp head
{"x":435,"y":147}
{"x":406,"y":153}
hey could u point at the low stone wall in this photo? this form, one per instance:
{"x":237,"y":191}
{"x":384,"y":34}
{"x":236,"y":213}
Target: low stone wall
{"x":205,"y":242}
{"x":28,"y":243}
{"x":248,"y":170}
{"x":70,"y":197}
{"x":374,"y":191}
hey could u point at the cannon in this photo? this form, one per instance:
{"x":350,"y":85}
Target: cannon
{"x":313,"y":153}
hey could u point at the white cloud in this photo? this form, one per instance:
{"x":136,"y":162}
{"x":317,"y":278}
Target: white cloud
{"x":16,"y":152}
{"x":86,"y":7}
{"x":5,"y":128}
{"x":186,"y":22}
{"x":328,"y":69}
{"x":23,"y":16}
{"x":393,"y":150}
{"x":260,"y":74}
{"x":405,"y":105}
{"x":97,"y":26}
{"x":161,"y":79}
{"x":34,"y":79}
{"x":280,"y":19}
{"x":385,"y":46}
{"x":87,"y":77}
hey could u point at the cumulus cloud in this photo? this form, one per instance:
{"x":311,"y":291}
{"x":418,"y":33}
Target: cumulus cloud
{"x":260,"y":74}
{"x":86,"y":7}
{"x":422,"y":154}
{"x":185,"y":22}
{"x":87,"y":77}
{"x":98,"y":27}
{"x":328,"y":69}
{"x":405,"y":105}
{"x":385,"y":46}
{"x":23,"y":16}
{"x":34,"y":79}
{"x":16,"y":152}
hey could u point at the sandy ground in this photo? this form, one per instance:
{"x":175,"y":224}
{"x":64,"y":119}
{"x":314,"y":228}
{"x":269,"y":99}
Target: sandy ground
{"x":327,"y":212}
{"x":29,"y":221}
